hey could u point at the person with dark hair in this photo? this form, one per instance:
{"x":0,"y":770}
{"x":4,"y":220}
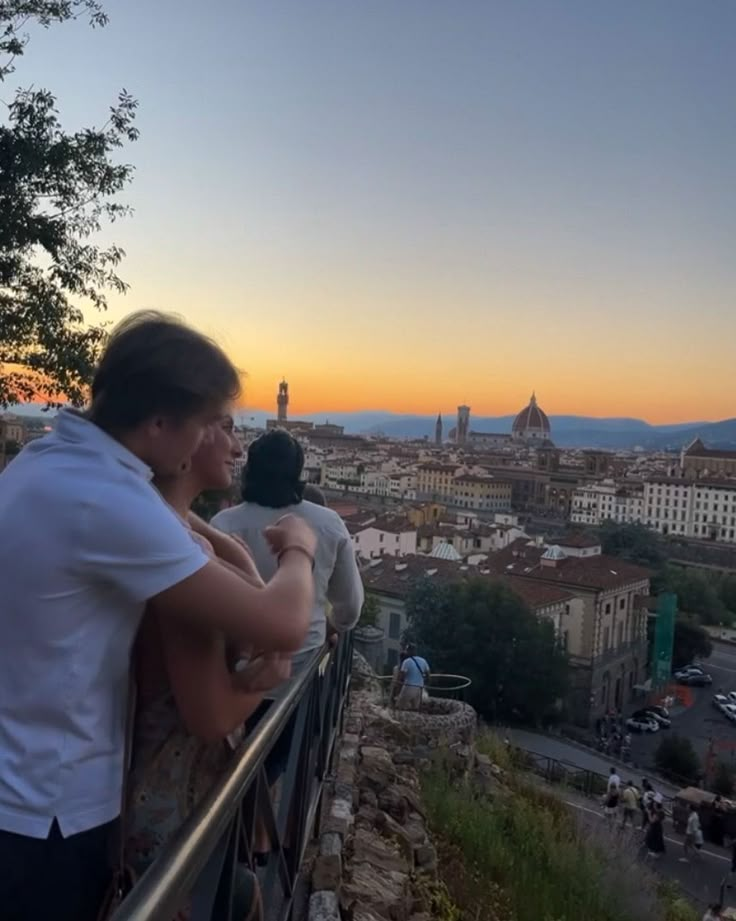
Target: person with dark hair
{"x":412,"y":678}
{"x":271,"y":487}
{"x":89,"y":544}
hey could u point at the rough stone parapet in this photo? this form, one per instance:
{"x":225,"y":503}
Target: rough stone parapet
{"x":373,"y":844}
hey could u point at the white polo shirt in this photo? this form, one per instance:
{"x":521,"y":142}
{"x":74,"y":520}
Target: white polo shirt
{"x":86,"y":540}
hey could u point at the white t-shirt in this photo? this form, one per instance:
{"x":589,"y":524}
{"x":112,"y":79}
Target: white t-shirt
{"x":693,"y":824}
{"x":614,"y":783}
{"x":86,"y":542}
{"x":337,"y":579}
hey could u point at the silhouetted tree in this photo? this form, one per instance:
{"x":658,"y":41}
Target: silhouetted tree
{"x":486,"y":632}
{"x":633,"y":542}
{"x":676,"y":758}
{"x":697,"y":593}
{"x":56,"y":190}
{"x":370,"y":612}
{"x":691,"y":642}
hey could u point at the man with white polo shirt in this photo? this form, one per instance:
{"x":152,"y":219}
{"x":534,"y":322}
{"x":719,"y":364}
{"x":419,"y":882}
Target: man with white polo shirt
{"x":87,"y":542}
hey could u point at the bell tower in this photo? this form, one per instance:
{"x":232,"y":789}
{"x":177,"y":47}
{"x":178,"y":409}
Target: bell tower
{"x":438,"y":430}
{"x":282,"y":401}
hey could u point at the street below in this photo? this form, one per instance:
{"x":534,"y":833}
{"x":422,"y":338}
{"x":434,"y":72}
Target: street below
{"x":701,"y":722}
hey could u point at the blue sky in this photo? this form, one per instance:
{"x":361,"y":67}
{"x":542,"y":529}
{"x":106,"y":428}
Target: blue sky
{"x":413,"y":204}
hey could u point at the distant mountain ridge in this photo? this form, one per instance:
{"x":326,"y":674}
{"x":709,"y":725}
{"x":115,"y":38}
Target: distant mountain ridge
{"x":582,"y":431}
{"x":567,"y":431}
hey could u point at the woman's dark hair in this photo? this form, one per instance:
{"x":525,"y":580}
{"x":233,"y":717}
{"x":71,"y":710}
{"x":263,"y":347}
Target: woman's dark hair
{"x":272,"y":474}
{"x":154,"y":364}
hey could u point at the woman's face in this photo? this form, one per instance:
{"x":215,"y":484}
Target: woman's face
{"x":215,"y":458}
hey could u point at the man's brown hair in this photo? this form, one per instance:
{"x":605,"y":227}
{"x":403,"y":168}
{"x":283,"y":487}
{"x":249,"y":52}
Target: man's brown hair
{"x":154,"y":364}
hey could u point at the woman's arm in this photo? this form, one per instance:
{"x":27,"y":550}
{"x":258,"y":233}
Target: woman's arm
{"x":211,"y":702}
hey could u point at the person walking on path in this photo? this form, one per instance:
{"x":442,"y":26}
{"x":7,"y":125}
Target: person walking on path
{"x":630,"y":798}
{"x":654,"y":838}
{"x":693,"y":834}
{"x":645,"y":803}
{"x":613,"y":791}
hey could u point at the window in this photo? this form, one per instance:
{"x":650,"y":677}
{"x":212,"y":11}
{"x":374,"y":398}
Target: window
{"x":608,"y":610}
{"x":622,"y":603}
{"x":394,"y":628}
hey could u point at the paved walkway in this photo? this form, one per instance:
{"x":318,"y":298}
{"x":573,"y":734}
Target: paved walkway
{"x":700,"y":878}
{"x":577,"y":755}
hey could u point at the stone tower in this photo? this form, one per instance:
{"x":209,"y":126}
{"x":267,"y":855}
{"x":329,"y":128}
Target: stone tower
{"x":438,"y":430}
{"x":282,"y":401}
{"x":463,"y":424}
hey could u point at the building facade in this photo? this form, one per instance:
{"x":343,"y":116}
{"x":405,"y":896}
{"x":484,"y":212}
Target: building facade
{"x":607,"y":641}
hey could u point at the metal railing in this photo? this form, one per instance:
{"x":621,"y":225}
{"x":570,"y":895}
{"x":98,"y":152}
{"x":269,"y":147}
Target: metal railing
{"x":200,"y":864}
{"x":572,"y":776}
{"x":448,"y":687}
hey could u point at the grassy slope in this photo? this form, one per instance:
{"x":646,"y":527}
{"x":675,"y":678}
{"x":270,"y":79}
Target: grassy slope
{"x":520,"y":856}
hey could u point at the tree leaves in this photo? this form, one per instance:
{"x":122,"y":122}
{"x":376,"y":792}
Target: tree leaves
{"x":486,"y":632}
{"x":57,"y":189}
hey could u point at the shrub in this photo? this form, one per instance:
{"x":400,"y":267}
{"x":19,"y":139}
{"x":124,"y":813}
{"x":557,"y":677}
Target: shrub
{"x":676,"y":759}
{"x":724,"y":779}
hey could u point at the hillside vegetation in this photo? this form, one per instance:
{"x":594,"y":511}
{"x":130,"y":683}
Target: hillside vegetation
{"x":519,"y":855}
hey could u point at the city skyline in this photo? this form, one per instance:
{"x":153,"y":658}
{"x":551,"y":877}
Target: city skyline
{"x":407,"y":209}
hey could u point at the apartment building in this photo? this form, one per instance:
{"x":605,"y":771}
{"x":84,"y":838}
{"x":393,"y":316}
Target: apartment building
{"x":594,"y":503}
{"x":384,"y":536}
{"x":607,"y":638}
{"x":481,"y":493}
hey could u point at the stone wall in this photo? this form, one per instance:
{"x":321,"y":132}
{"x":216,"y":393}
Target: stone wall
{"x":375,"y":855}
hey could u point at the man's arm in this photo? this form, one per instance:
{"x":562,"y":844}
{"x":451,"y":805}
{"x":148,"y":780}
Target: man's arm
{"x":272,"y":618}
{"x":345,"y":590}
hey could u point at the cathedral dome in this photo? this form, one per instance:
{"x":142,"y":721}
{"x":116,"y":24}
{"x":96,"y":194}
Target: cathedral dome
{"x":531,"y":424}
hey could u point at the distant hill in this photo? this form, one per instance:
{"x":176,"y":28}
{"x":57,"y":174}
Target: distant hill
{"x":581,"y":431}
{"x":567,"y":431}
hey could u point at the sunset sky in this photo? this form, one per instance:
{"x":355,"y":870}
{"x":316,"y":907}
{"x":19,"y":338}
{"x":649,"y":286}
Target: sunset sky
{"x":409,"y":204}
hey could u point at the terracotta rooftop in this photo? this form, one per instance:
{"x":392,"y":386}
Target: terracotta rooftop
{"x":395,"y":576}
{"x":591,"y":572}
{"x":698,"y":449}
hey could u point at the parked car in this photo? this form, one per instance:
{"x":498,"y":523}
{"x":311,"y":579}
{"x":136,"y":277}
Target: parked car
{"x":642,"y":724}
{"x":690,"y":668}
{"x":695,"y":679}
{"x":720,"y":701}
{"x":660,"y":715}
{"x":729,"y":710}
{"x":731,"y":697}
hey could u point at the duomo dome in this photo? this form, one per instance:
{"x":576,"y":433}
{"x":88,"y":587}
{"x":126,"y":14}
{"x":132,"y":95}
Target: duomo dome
{"x":531,"y":425}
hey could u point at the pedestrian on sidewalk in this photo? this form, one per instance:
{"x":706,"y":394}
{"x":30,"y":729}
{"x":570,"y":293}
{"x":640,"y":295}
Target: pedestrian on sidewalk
{"x":654,"y":839}
{"x":693,"y":834}
{"x":647,"y":798}
{"x":630,"y":799}
{"x":612,"y":796}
